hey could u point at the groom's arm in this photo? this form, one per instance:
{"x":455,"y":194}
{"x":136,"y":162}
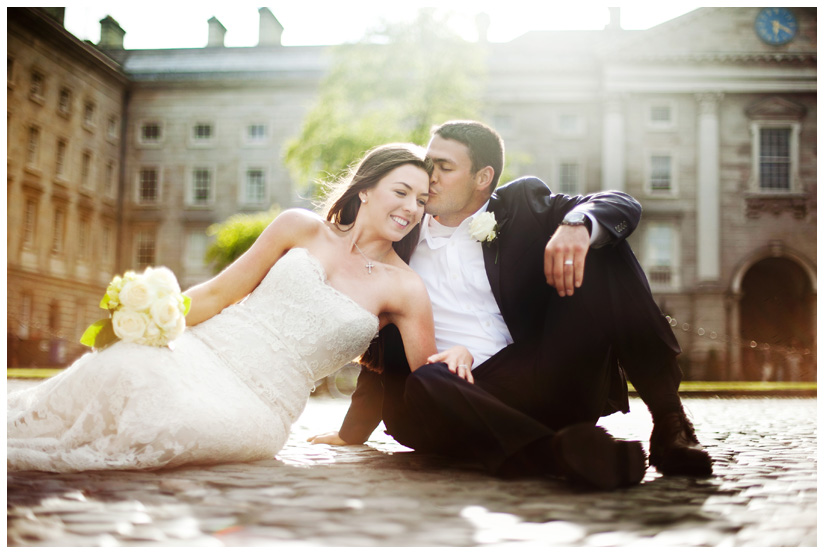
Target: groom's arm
{"x":365,"y":409}
{"x":613,"y":215}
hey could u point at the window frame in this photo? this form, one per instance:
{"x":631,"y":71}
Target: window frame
{"x":245,"y":200}
{"x":794,"y":183}
{"x":139,"y":198}
{"x":151,"y":236}
{"x":142,"y":142}
{"x":579,"y":175}
{"x":673,"y":190}
{"x":655,"y":125}
{"x":191,"y":201}
{"x":199,"y":142}
{"x":674,"y":251}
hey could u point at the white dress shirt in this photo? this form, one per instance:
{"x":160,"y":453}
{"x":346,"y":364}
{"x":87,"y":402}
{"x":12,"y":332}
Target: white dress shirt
{"x":465,"y":312}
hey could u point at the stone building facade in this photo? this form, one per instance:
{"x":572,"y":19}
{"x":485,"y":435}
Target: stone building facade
{"x":710,"y":125}
{"x":65,"y":150}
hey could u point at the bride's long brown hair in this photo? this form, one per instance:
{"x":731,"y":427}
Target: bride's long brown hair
{"x":343,"y":203}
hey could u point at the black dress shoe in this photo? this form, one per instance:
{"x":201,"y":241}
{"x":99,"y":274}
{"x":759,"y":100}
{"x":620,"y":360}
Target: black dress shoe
{"x":674,"y":448}
{"x":587,"y":455}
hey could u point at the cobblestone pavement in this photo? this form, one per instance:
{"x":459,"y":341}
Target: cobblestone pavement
{"x":763,"y":493}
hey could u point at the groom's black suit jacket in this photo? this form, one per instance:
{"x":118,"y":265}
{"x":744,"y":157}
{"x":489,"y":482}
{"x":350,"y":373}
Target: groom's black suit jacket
{"x":527,"y":214}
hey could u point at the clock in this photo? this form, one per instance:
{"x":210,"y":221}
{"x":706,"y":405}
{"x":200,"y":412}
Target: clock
{"x":776,"y":26}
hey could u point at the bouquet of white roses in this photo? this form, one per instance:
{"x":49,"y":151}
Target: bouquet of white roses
{"x":145,"y":308}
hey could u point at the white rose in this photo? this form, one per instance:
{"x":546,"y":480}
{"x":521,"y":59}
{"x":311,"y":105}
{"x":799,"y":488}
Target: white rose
{"x":163,"y":280}
{"x":129,"y":325}
{"x":483,"y":227}
{"x":137,"y":295}
{"x":166,"y":313}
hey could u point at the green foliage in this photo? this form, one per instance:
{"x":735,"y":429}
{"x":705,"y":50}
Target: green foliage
{"x":235,"y":235}
{"x":394,"y":85}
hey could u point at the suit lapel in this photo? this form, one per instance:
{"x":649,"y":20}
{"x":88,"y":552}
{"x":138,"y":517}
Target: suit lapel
{"x":492,"y":254}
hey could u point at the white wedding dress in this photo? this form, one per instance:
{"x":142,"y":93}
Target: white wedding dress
{"x":229,"y":390}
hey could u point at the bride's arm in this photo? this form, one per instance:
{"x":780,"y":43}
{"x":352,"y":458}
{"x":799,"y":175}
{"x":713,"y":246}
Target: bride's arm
{"x":413,"y":316}
{"x":235,"y":282}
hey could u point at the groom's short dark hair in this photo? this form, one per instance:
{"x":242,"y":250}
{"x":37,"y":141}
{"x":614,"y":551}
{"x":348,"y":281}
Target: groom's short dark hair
{"x":485,"y":145}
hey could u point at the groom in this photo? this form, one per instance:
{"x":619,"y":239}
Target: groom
{"x":556,"y":311}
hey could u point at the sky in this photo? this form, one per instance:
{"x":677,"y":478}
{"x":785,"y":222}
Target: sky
{"x":173,"y":24}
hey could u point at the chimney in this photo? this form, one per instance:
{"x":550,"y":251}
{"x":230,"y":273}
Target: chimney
{"x":111,"y":34}
{"x":483,"y":27}
{"x":270,"y":29}
{"x":615,"y":19}
{"x":58,"y":14}
{"x":216,"y":33}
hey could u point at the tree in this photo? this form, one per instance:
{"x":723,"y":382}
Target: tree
{"x":394,"y":85}
{"x":235,"y":235}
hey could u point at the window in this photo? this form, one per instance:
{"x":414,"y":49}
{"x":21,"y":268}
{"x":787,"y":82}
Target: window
{"x":255,"y":190}
{"x":776,"y":127}
{"x":661,"y":256}
{"x":26,"y":303}
{"x":148,"y":186}
{"x":256,"y":133}
{"x":201,"y":186}
{"x":109,"y":183}
{"x":202,"y":132}
{"x":60,"y":158}
{"x":660,"y":173}
{"x":83,"y":239}
{"x":112,"y":127}
{"x":106,"y":243}
{"x":58,"y":230}
{"x":569,"y":178}
{"x":33,"y":146}
{"x":661,"y":114}
{"x":145,"y":249}
{"x":196,"y":242}
{"x":86,"y":170}
{"x":775,"y":159}
{"x":151,"y":132}
{"x":37,"y":85}
{"x":29,"y":223}
{"x":64,"y":103}
{"x":89,"y":114}
{"x":570,"y":124}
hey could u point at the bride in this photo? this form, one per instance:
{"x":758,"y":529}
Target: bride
{"x":308,"y":297}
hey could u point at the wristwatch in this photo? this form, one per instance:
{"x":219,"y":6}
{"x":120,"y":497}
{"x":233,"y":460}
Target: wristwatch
{"x":577,"y":218}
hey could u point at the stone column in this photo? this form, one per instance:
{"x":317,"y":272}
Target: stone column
{"x":707,"y":189}
{"x":613,"y":145}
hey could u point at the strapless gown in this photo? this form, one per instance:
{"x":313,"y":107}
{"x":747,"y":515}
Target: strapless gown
{"x":228,"y":391}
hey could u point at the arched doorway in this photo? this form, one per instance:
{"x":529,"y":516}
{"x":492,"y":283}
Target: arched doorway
{"x":776,"y":322}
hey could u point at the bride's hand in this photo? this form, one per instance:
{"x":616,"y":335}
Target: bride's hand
{"x":458,"y":359}
{"x":329,"y":438}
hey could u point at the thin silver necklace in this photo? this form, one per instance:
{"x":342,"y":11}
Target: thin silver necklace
{"x":369,"y":265}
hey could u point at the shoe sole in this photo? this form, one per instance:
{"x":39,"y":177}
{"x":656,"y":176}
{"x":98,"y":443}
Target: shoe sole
{"x":588,"y":455}
{"x":689,"y":464}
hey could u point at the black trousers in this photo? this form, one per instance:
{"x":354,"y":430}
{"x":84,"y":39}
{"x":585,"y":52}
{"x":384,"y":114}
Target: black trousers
{"x":572,"y":372}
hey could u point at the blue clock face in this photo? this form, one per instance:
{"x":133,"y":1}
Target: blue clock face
{"x":776,"y":25}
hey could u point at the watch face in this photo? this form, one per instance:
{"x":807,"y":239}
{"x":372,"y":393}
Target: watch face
{"x":574,"y":218}
{"x":776,"y":25}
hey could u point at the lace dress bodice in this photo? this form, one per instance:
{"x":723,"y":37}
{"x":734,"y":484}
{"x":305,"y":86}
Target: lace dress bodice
{"x":228,"y":390}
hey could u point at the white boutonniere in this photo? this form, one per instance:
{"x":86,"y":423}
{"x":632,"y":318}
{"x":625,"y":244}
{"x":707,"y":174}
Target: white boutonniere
{"x":484,"y":228}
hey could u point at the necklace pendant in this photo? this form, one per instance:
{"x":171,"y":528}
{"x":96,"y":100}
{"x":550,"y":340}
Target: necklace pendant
{"x":369,"y":266}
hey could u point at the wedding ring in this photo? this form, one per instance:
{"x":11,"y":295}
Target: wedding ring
{"x":568,"y":262}
{"x":463,"y":366}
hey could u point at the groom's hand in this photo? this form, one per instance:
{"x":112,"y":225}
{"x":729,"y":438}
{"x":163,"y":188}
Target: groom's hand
{"x":568,"y":243}
{"x":329,"y":438}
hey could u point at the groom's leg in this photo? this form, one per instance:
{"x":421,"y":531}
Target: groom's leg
{"x":616,"y":291}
